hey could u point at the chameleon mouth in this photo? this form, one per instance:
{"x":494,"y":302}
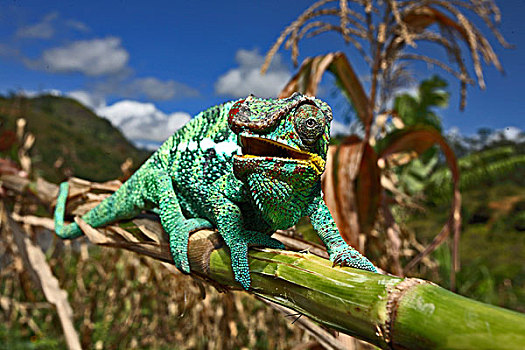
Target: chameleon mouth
{"x":258,"y":147}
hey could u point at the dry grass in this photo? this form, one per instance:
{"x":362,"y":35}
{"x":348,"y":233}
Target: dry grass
{"x":122,"y":300}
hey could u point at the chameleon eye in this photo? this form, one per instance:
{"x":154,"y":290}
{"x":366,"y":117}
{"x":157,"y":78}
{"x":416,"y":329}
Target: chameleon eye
{"x":309,"y":123}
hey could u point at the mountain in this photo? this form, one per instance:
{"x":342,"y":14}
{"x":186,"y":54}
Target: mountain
{"x":70,"y":139}
{"x":486,"y":138}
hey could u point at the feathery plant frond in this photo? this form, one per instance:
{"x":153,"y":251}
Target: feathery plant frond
{"x":393,"y":81}
{"x":392,"y":30}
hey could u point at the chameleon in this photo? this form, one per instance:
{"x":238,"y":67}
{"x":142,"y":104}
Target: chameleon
{"x":247,"y":168}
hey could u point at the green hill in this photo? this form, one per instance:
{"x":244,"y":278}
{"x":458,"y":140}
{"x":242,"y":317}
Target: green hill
{"x":70,"y":139}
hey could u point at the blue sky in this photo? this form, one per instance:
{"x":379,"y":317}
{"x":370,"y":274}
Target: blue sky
{"x":161,"y":61}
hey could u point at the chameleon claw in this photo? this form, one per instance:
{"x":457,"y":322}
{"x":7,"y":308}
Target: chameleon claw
{"x":260,"y":239}
{"x":348,"y":256}
{"x":179,"y":241}
{"x":180,"y":257}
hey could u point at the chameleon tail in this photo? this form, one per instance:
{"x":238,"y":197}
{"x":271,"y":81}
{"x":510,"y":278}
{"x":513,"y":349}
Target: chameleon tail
{"x":71,"y":230}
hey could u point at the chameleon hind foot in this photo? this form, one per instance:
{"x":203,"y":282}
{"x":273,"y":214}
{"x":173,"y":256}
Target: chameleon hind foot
{"x":258,"y":239}
{"x":179,"y":241}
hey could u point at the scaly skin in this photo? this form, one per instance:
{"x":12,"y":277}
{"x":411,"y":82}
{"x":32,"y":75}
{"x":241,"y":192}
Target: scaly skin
{"x":247,"y":168}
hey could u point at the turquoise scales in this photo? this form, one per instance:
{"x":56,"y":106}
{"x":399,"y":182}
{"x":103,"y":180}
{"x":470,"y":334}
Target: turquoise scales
{"x":246,"y":167}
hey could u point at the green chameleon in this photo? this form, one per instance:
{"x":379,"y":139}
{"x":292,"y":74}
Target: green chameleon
{"x":246,"y":167}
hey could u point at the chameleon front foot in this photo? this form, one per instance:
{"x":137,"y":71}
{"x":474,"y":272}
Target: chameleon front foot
{"x":239,"y":254}
{"x":345,"y":255}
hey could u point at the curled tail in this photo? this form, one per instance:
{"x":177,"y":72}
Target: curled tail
{"x":71,"y":230}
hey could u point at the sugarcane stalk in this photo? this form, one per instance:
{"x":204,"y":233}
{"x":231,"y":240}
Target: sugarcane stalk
{"x":387,"y":311}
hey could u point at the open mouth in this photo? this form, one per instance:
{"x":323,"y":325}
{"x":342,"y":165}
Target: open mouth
{"x":261,"y":147}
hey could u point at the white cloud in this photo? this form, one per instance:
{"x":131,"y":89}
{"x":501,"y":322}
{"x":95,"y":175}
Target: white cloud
{"x":142,"y":88}
{"x":92,"y":57}
{"x":47,"y":27}
{"x":33,"y":93}
{"x":411,"y":90}
{"x":338,"y":128}
{"x":8,"y":51}
{"x":159,"y":90}
{"x":87,"y":99}
{"x":513,"y":133}
{"x":476,"y":142}
{"x":143,"y":121}
{"x":41,"y":30}
{"x":454,"y":135}
{"x":510,"y":133}
{"x":77,"y":25}
{"x":104,"y":57}
{"x":246,"y":78}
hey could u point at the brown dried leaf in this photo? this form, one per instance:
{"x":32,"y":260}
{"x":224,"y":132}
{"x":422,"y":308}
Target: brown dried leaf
{"x":352,"y":187}
{"x":93,"y":235}
{"x":35,"y":260}
{"x":422,"y":17}
{"x":368,"y":189}
{"x":419,"y":139}
{"x":8,"y":167}
{"x":394,"y":239}
{"x":338,"y":187}
{"x":46,"y":191}
{"x":35,"y":221}
{"x":15,"y":183}
{"x":151,"y":229}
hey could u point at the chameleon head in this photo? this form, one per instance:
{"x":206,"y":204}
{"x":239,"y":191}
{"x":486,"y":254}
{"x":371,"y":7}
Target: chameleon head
{"x":284,"y":137}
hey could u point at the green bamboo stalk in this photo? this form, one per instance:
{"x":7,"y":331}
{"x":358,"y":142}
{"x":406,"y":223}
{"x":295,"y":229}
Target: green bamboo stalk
{"x":387,"y":311}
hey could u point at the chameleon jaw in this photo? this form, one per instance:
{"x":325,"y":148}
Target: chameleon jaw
{"x":259,"y":147}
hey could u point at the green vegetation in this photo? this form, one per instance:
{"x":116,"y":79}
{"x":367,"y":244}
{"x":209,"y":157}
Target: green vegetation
{"x":493,"y":226}
{"x":492,"y":242}
{"x":70,"y":139}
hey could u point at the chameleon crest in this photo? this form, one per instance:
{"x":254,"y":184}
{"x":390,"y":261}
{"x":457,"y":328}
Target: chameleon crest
{"x":247,"y":168}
